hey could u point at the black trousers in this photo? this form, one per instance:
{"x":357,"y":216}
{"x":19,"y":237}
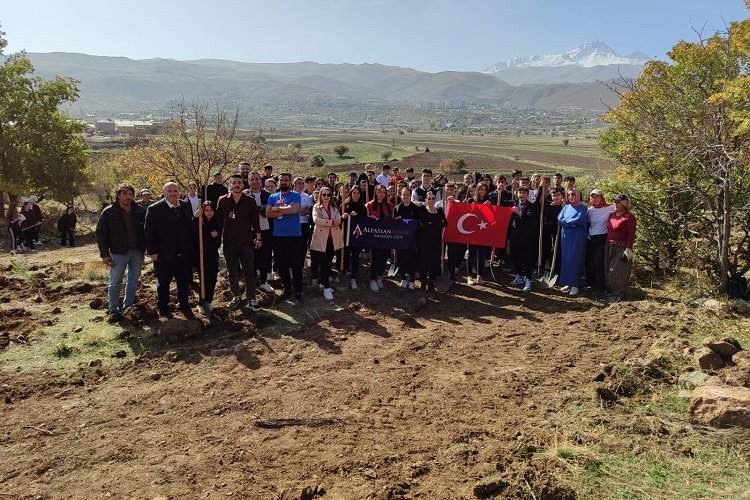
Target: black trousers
{"x":522,"y":252}
{"x":263,"y":254}
{"x":429,"y":257}
{"x":210,"y":273}
{"x":240,"y":258}
{"x":289,"y":252}
{"x":477,"y":256}
{"x":595,"y":266}
{"x":377,"y":266}
{"x":456,"y":252}
{"x":325,"y":262}
{"x":179,"y":270}
{"x":407,"y":263}
{"x":351,"y":260}
{"x":66,"y":236}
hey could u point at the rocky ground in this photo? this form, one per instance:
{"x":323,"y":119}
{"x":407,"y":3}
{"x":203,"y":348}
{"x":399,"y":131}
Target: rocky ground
{"x":483,"y":392}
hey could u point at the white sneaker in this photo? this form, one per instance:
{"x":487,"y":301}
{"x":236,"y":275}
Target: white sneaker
{"x":379,"y":282}
{"x":320,"y":286}
{"x":267,"y":288}
{"x":478,"y":280}
{"x":527,"y":286}
{"x":518,"y":280}
{"x":404,"y":284}
{"x":353,"y":284}
{"x":13,"y":252}
{"x":565,"y":289}
{"x":275,"y":276}
{"x":374,"y":286}
{"x":573,"y":290}
{"x":328,"y":293}
{"x":411,"y":286}
{"x":469,"y":280}
{"x":254,"y":306}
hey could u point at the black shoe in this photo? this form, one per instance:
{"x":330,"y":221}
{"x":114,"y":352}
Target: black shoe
{"x":164,"y":313}
{"x":298,"y":299}
{"x":187,"y":312}
{"x":114,"y":317}
{"x":286,"y":296}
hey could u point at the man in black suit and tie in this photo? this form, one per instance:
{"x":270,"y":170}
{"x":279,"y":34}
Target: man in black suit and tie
{"x":169,"y":243}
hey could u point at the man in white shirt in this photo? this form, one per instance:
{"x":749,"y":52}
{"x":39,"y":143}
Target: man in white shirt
{"x":192,"y":197}
{"x":262,"y":254}
{"x":384,"y":179}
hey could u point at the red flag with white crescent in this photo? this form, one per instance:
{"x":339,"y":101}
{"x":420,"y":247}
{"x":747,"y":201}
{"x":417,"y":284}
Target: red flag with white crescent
{"x":477,"y":224}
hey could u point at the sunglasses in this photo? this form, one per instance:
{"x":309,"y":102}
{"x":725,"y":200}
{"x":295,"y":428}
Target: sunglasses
{"x":325,"y":195}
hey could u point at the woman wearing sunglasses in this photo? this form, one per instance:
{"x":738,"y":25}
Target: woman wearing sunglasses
{"x":327,"y":237}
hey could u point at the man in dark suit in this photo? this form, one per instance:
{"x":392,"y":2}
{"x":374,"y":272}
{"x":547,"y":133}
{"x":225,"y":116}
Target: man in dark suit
{"x":169,"y":243}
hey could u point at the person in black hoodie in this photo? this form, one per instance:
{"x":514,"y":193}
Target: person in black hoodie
{"x":478,"y":254}
{"x":66,"y":225}
{"x":431,"y":223}
{"x":407,"y":258}
{"x":353,"y":206}
{"x":523,"y":237}
{"x":211,"y":243}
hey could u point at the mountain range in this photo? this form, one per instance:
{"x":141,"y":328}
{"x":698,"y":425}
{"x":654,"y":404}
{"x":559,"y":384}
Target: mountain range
{"x":120,"y":84}
{"x":590,"y":62}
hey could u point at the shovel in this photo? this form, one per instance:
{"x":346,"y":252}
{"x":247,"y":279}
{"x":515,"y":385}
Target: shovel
{"x":443,"y":282}
{"x":551,"y":277}
{"x":393,"y":270}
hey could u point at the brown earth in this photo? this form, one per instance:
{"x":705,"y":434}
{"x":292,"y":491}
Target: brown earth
{"x":365,"y":398}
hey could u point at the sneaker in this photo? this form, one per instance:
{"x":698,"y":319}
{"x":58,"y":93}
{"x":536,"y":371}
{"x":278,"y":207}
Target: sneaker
{"x":379,"y":282}
{"x":165,"y":313}
{"x":114,"y":317}
{"x":187,"y":312}
{"x":404,"y":284}
{"x":253,"y":305}
{"x":328,"y":293}
{"x":374,"y":286}
{"x":314,"y":282}
{"x":565,"y":289}
{"x":411,"y":285}
{"x":275,"y":276}
{"x":353,"y":284}
{"x":612,"y":297}
{"x":269,"y":276}
{"x":469,"y":280}
{"x":13,"y":252}
{"x":267,"y":288}
{"x":234,"y":304}
{"x":573,"y":290}
{"x":478,"y":280}
{"x":527,"y":286}
{"x":518,"y":280}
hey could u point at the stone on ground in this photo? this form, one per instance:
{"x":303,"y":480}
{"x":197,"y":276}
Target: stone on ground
{"x":719,"y":406}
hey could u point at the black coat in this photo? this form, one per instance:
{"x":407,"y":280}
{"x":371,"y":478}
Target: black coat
{"x":169,"y":231}
{"x":111,"y":235}
{"x":67,"y":222}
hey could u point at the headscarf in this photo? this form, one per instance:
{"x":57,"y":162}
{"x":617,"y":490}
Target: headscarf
{"x":602,"y":202}
{"x":577,"y":200}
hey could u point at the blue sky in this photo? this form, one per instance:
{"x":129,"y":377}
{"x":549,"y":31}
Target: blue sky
{"x":435,"y":35}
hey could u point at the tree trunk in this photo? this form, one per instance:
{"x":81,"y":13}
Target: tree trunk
{"x":2,"y":202}
{"x":725,"y":236}
{"x":12,"y":207}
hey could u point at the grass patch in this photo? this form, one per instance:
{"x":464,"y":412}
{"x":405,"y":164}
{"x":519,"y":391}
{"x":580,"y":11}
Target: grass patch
{"x":57,"y":347}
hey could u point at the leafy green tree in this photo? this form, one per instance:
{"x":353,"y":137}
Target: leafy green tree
{"x":385,"y":155}
{"x":317,"y":161}
{"x":683,"y":129}
{"x":341,"y":150}
{"x":41,"y":149}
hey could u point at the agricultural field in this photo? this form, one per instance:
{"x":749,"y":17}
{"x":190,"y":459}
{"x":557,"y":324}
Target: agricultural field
{"x":487,"y":153}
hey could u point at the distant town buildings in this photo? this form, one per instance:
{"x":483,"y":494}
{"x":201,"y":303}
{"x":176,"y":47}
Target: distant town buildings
{"x":443,"y":105}
{"x":132,"y":128}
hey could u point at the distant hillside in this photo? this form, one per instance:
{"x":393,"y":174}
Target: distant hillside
{"x":119,"y":84}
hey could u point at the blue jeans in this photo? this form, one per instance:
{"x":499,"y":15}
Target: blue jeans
{"x":133,"y":262}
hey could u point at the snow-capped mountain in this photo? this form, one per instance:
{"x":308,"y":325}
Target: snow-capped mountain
{"x":592,"y":61}
{"x":587,"y":55}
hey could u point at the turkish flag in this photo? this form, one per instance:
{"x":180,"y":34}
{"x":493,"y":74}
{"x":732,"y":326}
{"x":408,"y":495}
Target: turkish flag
{"x":477,"y":224}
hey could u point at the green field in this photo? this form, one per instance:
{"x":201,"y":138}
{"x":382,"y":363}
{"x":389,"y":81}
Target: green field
{"x":495,"y":153}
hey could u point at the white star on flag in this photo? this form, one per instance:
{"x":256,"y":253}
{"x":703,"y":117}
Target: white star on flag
{"x":483,"y":225}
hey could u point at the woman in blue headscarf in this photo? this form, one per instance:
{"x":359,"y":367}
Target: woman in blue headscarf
{"x":573,"y":220}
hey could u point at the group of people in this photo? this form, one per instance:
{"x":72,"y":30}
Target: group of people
{"x":265,"y":224}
